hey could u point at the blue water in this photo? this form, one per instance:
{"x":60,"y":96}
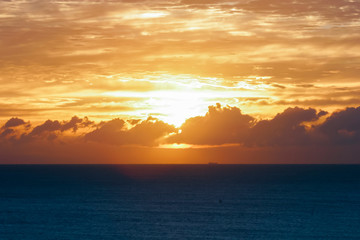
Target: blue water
{"x":180,"y":202}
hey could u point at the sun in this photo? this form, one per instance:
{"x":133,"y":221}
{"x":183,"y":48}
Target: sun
{"x":175,"y":107}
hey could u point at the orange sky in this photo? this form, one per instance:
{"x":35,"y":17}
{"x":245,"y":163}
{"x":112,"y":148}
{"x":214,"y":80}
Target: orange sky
{"x":154,"y":64}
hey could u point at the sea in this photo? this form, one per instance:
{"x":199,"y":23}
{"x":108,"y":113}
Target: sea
{"x":214,"y":201}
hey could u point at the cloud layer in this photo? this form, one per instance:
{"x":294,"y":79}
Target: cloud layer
{"x":225,"y":129}
{"x":277,"y":61}
{"x":98,"y":58}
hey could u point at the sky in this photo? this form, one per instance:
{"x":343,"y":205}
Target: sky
{"x":185,"y":81}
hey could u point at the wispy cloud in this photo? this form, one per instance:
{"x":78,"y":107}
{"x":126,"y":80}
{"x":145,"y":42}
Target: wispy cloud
{"x":132,"y":59}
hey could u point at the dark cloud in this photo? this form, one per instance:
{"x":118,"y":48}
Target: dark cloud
{"x":224,"y":125}
{"x":13,"y":122}
{"x":13,"y":128}
{"x":220,"y":125}
{"x":116,"y":132}
{"x":285,"y":128}
{"x":18,"y":131}
{"x":295,"y":135}
{"x":72,"y":124}
{"x":52,"y":126}
{"x":146,"y":132}
{"x":7,"y":132}
{"x":48,"y":126}
{"x":342,"y":127}
{"x":108,"y":132}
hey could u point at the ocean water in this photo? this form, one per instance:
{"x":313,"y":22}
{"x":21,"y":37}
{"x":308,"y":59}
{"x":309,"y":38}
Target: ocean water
{"x":179,"y":202}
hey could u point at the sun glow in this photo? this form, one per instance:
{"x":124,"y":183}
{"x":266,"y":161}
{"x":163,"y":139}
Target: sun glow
{"x":171,"y":106}
{"x":176,"y":107}
{"x":175,"y":98}
{"x":176,"y":146}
